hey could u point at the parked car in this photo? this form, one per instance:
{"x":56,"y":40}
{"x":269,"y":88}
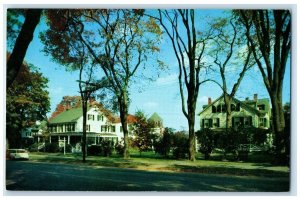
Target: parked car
{"x":15,"y":154}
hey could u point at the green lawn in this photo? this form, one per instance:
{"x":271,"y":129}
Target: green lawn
{"x":151,"y":162}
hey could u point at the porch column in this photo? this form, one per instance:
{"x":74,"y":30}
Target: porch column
{"x":50,"y":139}
{"x":68,"y":139}
{"x":95,"y":139}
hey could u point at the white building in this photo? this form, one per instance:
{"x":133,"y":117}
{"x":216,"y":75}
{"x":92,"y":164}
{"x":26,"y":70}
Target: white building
{"x":100,"y":124}
{"x":250,"y":112}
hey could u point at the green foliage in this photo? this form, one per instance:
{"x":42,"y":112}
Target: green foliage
{"x":164,"y":144}
{"x":33,"y":147}
{"x":68,"y":148}
{"x":180,"y":145}
{"x":120,"y":148}
{"x":105,"y":148}
{"x":143,"y":136}
{"x":93,"y":150}
{"x":52,"y":147}
{"x":238,"y":142}
{"x":27,"y":101}
{"x":14,"y":23}
{"x":207,"y":141}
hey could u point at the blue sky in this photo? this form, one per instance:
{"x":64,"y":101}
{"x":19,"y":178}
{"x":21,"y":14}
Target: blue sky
{"x":161,"y":95}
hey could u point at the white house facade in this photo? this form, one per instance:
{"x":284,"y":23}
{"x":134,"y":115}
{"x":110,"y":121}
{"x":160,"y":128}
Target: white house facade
{"x":255,"y":112}
{"x":101,"y":124}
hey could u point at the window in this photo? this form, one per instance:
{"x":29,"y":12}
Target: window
{"x":261,"y":107}
{"x":113,"y":129}
{"x":70,"y":127}
{"x":88,"y":127}
{"x":238,"y":107}
{"x":90,"y":117}
{"x":121,"y":129}
{"x":223,"y":108}
{"x":248,"y":121}
{"x":262,"y":122}
{"x":214,"y":109}
{"x":232,"y":107}
{"x":219,"y":108}
{"x":216,"y":122}
{"x":98,"y":117}
{"x":207,"y":123}
{"x":104,"y":128}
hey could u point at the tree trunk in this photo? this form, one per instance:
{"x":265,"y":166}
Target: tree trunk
{"x":191,"y":124}
{"x":227,"y":100}
{"x":23,"y":40}
{"x":123,"y":102}
{"x":84,"y":113}
{"x":278,"y":127}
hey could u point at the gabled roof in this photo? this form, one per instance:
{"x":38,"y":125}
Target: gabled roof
{"x":73,"y":114}
{"x":155,"y":117}
{"x":243,"y":104}
{"x":70,"y":115}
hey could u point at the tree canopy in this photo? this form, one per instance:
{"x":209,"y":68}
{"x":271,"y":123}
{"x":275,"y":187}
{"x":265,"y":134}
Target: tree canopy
{"x":27,"y":101}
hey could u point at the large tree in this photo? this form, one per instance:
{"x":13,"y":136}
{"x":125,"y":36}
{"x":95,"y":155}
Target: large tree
{"x":269,"y":35}
{"x":232,"y":56}
{"x":27,"y":101}
{"x":119,"y":41}
{"x":143,"y":132}
{"x":25,"y":36}
{"x":189,"y":45}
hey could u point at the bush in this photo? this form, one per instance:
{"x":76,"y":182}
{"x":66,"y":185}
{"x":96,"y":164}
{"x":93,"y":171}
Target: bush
{"x":68,"y":148}
{"x":93,"y":150}
{"x":107,"y":147}
{"x":164,"y":144}
{"x":180,"y":145}
{"x":52,"y":147}
{"x":207,"y":141}
{"x":120,"y":148}
{"x":33,"y":147}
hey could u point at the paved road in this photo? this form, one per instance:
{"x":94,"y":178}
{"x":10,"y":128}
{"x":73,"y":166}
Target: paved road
{"x":30,"y":176}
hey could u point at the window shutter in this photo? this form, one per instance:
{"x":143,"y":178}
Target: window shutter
{"x":210,"y":121}
{"x":218,"y":122}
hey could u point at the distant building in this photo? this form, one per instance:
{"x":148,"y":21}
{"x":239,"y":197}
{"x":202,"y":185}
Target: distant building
{"x":157,"y":122}
{"x":255,"y":112}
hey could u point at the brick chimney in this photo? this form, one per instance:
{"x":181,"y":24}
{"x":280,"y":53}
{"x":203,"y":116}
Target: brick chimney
{"x":255,"y":97}
{"x":209,"y":101}
{"x":92,"y":100}
{"x":68,"y":105}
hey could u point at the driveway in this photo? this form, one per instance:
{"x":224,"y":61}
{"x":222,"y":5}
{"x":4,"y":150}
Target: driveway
{"x":32,"y":176}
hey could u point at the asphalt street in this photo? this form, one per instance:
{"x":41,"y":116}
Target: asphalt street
{"x":32,"y":176}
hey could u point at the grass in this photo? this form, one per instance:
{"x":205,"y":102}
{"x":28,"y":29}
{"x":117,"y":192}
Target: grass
{"x":152,"y":162}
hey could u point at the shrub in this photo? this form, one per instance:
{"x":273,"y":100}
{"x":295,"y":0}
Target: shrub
{"x":180,"y":145}
{"x":207,"y":141}
{"x":164,"y":144}
{"x":120,"y":148}
{"x":93,"y":150}
{"x":68,"y":148}
{"x":52,"y":147}
{"x":33,"y":147}
{"x":107,"y":147}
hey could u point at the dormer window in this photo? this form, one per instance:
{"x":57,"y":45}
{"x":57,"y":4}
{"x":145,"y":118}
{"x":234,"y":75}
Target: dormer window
{"x":261,"y":107}
{"x":214,"y":109}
